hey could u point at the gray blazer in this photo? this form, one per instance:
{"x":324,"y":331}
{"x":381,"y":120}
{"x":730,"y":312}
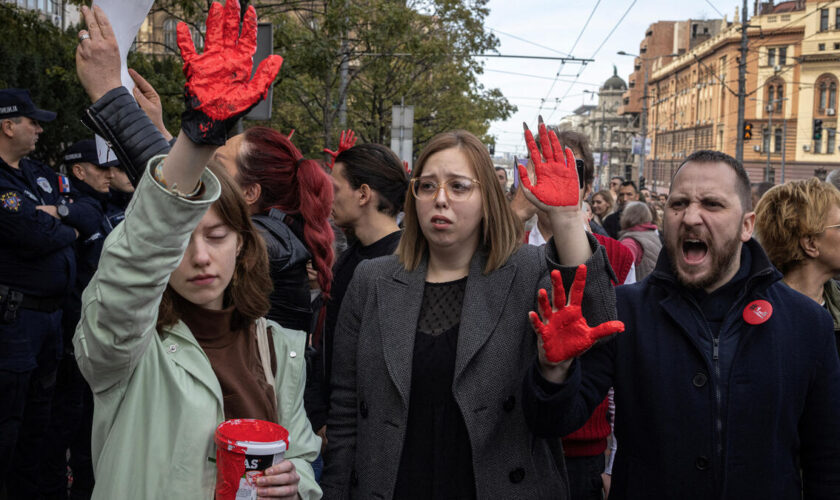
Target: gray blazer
{"x":374,"y":344}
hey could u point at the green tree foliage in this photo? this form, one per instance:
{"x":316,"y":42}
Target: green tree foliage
{"x":419,"y":51}
{"x":38,"y":56}
{"x":165,"y":75}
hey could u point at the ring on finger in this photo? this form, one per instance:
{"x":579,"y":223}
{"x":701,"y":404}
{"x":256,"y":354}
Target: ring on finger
{"x":83,"y":37}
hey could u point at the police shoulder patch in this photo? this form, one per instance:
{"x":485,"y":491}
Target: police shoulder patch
{"x":10,"y":201}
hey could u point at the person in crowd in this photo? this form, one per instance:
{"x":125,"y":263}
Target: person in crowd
{"x":501,"y":174}
{"x":121,"y":192}
{"x":289,"y":199}
{"x":37,"y":271}
{"x":172,"y":337}
{"x":615,"y":184}
{"x":657,"y":213}
{"x":584,"y":449}
{"x":432,"y":343}
{"x":640,"y":235}
{"x":758,"y":189}
{"x":644,"y":194}
{"x":833,"y":178}
{"x":663,"y":198}
{"x":72,"y":407}
{"x":627,"y":192}
{"x":602,"y":205}
{"x":798,"y":224}
{"x":370,"y":186}
{"x":711,"y":336}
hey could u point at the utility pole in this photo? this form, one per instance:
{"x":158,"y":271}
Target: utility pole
{"x":603,"y":129}
{"x":784,"y":140}
{"x":644,"y":128}
{"x":742,"y":86}
{"x":343,"y":74}
{"x":770,"y":137}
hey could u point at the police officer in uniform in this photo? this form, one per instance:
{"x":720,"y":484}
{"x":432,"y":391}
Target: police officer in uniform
{"x":37,"y":270}
{"x":91,"y":213}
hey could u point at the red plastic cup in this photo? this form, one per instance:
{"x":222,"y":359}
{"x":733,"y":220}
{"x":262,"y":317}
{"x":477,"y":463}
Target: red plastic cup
{"x":245,"y":448}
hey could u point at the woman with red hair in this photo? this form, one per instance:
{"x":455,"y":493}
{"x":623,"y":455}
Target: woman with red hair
{"x":290,"y":199}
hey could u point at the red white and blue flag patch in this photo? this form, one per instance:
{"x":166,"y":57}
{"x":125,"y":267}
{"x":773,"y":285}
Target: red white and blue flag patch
{"x":10,"y":201}
{"x":63,"y":184}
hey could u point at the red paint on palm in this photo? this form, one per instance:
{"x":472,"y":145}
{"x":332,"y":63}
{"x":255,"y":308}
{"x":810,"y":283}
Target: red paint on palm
{"x":556,"y":182}
{"x":220,"y":78}
{"x":564,"y":331}
{"x":346,"y":141}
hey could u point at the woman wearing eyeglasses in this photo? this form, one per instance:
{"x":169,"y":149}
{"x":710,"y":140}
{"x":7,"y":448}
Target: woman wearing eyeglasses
{"x":434,"y":352}
{"x":798,"y":224}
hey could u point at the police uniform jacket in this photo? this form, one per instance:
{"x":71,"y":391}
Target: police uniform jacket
{"x":36,"y":252}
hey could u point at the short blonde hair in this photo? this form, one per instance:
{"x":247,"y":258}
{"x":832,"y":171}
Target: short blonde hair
{"x":501,"y":232}
{"x":789,"y":212}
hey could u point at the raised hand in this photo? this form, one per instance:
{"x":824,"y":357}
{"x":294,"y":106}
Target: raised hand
{"x":98,"y":54}
{"x":346,"y":141}
{"x":564,"y":332}
{"x":219,"y":86}
{"x":556,"y":183}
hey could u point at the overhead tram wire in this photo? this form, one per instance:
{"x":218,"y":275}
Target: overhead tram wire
{"x":609,"y":35}
{"x":715,"y":8}
{"x":574,"y":45}
{"x":535,"y":44}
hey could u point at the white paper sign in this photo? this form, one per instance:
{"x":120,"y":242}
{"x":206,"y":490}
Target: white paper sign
{"x":126,"y":17}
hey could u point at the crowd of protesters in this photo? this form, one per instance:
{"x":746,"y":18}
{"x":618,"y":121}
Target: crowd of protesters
{"x":199,"y":278}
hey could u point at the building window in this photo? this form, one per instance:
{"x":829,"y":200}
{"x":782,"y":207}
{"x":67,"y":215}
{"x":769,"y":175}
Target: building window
{"x":782,"y":56}
{"x":169,"y":35}
{"x":817,"y":146}
{"x":832,"y":134}
{"x":777,"y":141}
{"x":765,"y":139}
{"x":771,"y":57}
{"x":821,"y":46}
{"x":836,"y":18}
{"x":780,"y":97}
{"x":836,"y":46}
{"x":823,"y":19}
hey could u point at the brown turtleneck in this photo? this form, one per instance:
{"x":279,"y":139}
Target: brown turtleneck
{"x":235,"y":358}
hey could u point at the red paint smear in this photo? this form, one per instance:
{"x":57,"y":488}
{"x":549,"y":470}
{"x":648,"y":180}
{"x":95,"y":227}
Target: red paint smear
{"x":565,"y":334}
{"x":230,"y":457}
{"x":557,"y":182}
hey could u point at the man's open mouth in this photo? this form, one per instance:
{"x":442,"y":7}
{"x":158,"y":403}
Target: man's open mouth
{"x":694,"y":250}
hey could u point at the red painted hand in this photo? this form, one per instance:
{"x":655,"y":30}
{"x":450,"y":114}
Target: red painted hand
{"x":557,"y":183}
{"x":346,"y":141}
{"x":565,"y":334}
{"x":219,"y":86}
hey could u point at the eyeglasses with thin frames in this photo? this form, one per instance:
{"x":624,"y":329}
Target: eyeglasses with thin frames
{"x":456,"y":188}
{"x":835,"y":226}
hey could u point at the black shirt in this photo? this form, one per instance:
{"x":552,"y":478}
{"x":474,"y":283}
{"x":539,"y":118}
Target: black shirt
{"x":436,"y":457}
{"x":343,"y":270}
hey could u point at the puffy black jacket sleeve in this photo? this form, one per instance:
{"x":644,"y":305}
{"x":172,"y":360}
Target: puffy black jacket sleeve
{"x":127,"y":129}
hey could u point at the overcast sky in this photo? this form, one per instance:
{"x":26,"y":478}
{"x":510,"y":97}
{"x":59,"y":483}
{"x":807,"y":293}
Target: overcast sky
{"x":556,"y":24}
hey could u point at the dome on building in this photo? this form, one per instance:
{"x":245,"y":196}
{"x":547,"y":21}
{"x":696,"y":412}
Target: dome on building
{"x":614,"y":82}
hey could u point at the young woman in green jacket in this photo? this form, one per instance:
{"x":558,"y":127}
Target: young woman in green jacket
{"x":171,"y":326}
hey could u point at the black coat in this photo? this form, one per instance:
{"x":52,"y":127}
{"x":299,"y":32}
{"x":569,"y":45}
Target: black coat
{"x":782,"y":413}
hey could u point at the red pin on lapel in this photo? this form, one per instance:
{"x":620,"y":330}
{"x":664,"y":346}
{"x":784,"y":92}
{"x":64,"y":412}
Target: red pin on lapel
{"x":757,"y":312}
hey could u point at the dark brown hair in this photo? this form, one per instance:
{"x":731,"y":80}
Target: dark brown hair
{"x":576,"y":140}
{"x":250,"y":286}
